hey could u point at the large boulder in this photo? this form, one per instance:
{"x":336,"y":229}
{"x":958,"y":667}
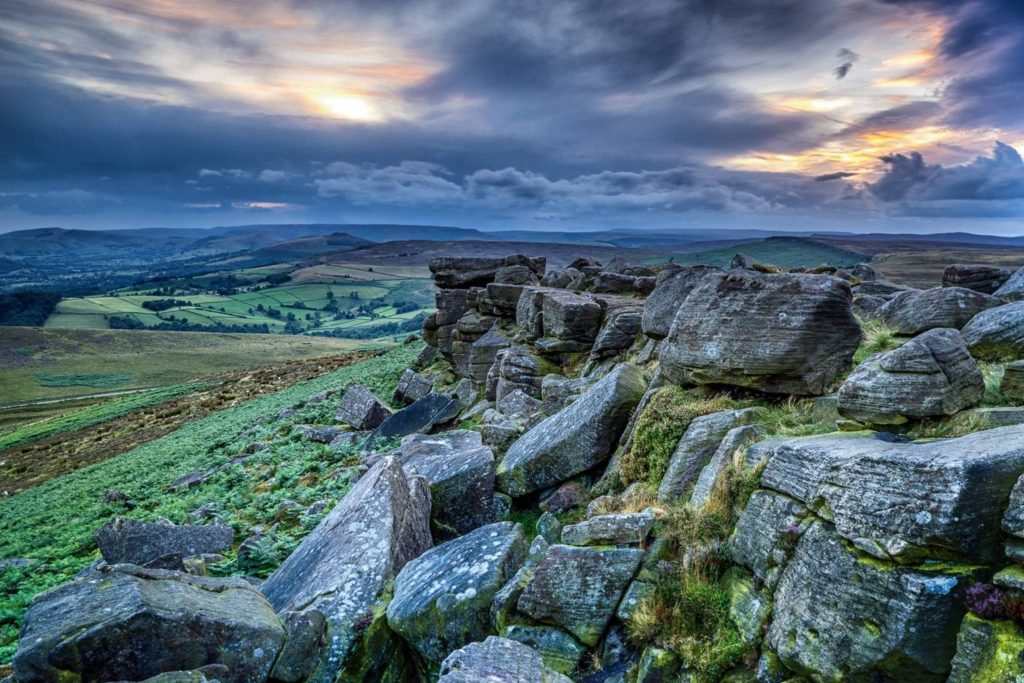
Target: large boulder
{"x":766,"y":534}
{"x":422,"y":416}
{"x":126,"y":623}
{"x":576,"y":438}
{"x":997,"y":333}
{"x":618,"y":332}
{"x":841,"y":619}
{"x":497,"y":660}
{"x":412,"y":386}
{"x":672,"y":288}
{"x":985,"y":279}
{"x":568,"y":316}
{"x":343,"y":566}
{"x":160,"y":544}
{"x":696,"y":448}
{"x":629,"y":528}
{"x":931,"y":375}
{"x":903,"y":501}
{"x":788,"y":334}
{"x":918,"y":311}
{"x":579,"y":588}
{"x":361,"y":410}
{"x":443,"y":598}
{"x":1013,"y":288}
{"x":519,"y":368}
{"x":482,"y":354}
{"x":460,"y":470}
{"x":461,"y":272}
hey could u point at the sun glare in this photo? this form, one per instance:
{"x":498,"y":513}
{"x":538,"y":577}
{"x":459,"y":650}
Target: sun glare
{"x":347,"y":107}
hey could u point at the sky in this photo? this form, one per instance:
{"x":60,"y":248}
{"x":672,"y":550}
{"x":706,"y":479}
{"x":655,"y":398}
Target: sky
{"x":863,"y":115}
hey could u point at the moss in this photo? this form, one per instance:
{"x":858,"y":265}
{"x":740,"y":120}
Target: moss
{"x":1001,"y":660}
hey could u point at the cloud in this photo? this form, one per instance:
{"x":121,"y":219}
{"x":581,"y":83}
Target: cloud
{"x":410,"y":182}
{"x":838,"y":175}
{"x":847,"y":57}
{"x":272,"y":176}
{"x":58,"y":202}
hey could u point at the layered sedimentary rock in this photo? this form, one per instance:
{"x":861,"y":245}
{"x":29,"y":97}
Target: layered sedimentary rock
{"x":918,"y":311}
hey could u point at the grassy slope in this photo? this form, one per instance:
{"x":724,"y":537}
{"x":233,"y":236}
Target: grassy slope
{"x":54,"y":523}
{"x":49,"y":363}
{"x":784,"y":252}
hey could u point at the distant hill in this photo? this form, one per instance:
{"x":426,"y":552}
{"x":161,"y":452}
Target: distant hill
{"x":787,"y":252}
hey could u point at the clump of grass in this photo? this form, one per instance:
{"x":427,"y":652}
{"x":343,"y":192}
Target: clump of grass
{"x":794,"y":417}
{"x":659,"y":428}
{"x":878,"y":337}
{"x":688,"y":612}
{"x":993,"y":376}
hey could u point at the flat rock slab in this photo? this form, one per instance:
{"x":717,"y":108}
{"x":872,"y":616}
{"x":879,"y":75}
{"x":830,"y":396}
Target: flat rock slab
{"x":422,"y":416}
{"x":126,"y":623}
{"x":842,"y":619}
{"x":498,"y":660}
{"x":443,"y":598}
{"x":360,"y":409}
{"x":569,"y":316}
{"x":460,"y":471}
{"x":932,"y":375}
{"x":159,"y":544}
{"x":342,"y":567}
{"x":629,"y":528}
{"x":905,"y":501}
{"x":576,"y":438}
{"x":782,"y":334}
{"x":579,"y":588}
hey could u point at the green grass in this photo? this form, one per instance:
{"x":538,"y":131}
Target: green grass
{"x":93,"y":414}
{"x":53,"y":524}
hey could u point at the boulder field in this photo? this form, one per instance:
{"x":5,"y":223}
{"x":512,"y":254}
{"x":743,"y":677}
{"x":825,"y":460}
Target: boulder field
{"x":615,"y":473}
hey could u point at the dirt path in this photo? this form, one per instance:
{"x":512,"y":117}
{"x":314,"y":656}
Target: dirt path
{"x":32,"y":464}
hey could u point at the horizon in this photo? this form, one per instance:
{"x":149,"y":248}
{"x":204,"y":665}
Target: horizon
{"x":860,"y":116}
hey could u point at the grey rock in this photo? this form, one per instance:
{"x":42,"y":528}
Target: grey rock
{"x":460,"y":471}
{"x":766,"y":534}
{"x":574,"y":439}
{"x":451,"y":305}
{"x":867,"y":305}
{"x":637,"y":592}
{"x":1013,"y":520}
{"x":482,"y":354}
{"x":905,"y":501}
{"x":530,"y":312}
{"x":361,"y":410}
{"x":126,"y":623}
{"x":557,"y":391}
{"x":749,"y":606}
{"x":320,"y":433}
{"x":343,"y":566}
{"x":614,"y":283}
{"x":696,"y":449}
{"x":559,"y":650}
{"x":864,"y":272}
{"x":881,"y":288}
{"x":519,"y":368}
{"x":931,"y":375}
{"x":518,"y":405}
{"x":567,"y":496}
{"x":463,"y":272}
{"x":465,"y":393}
{"x":988,"y":648}
{"x":630,"y":528}
{"x":730,"y":449}
{"x":497,"y":660}
{"x":997,"y":333}
{"x":499,"y":434}
{"x":579,"y":588}
{"x":504,"y":604}
{"x":568,"y":316}
{"x":549,"y":527}
{"x":618,"y":332}
{"x":425,"y":357}
{"x":518,"y":274}
{"x":424,"y":415}
{"x":918,"y":311}
{"x":789,"y":334}
{"x":412,"y":386}
{"x":443,"y":598}
{"x":985,"y":279}
{"x":658,"y":666}
{"x":305,"y":637}
{"x":672,"y":288}
{"x":159,"y":544}
{"x":1013,"y":288}
{"x":1012,"y":384}
{"x":841,"y":619}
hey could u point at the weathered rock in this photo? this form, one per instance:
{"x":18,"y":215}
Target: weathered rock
{"x":519,"y":368}
{"x":361,"y":410}
{"x":497,"y":660}
{"x":451,"y":305}
{"x":616,"y":529}
{"x":766,"y":534}
{"x":730,"y":448}
{"x":557,"y":391}
{"x":867,"y":306}
{"x":462,"y":272}
{"x":422,"y":416}
{"x":301,"y":651}
{"x":1013,"y":520}
{"x":579,"y":588}
{"x":696,"y":448}
{"x":342,"y":567}
{"x":443,"y":598}
{"x":504,"y":604}
{"x":864,"y":272}
{"x":1013,"y":288}
{"x":568,"y":316}
{"x":749,"y":607}
{"x":1012,"y":384}
{"x":574,"y":439}
{"x":460,"y":470}
{"x":518,"y":274}
{"x":425,"y":357}
{"x":985,"y":279}
{"x":126,"y":623}
{"x":842,"y":619}
{"x":997,"y":333}
{"x":549,"y":528}
{"x":482,"y":354}
{"x":159,"y":544}
{"x":637,"y":592}
{"x":790,"y":334}
{"x":988,"y":651}
{"x":465,"y":393}
{"x":614,"y":283}
{"x":918,"y":311}
{"x":320,"y":433}
{"x":881,"y":288}
{"x":986,"y":418}
{"x":518,"y":405}
{"x":618,"y":332}
{"x":673,"y":286}
{"x":906,"y":501}
{"x":559,"y":650}
{"x":530,"y":312}
{"x":499,"y":433}
{"x":567,"y":496}
{"x":412,"y":386}
{"x":658,"y":666}
{"x":931,"y":375}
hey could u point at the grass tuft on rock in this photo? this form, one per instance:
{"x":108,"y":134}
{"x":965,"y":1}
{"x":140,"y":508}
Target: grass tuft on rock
{"x":878,"y":337}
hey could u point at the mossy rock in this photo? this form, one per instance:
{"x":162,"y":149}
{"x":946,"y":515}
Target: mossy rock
{"x":988,"y":652}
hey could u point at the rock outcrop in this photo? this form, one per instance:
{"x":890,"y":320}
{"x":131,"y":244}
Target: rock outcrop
{"x":997,"y":333}
{"x":984,"y":279}
{"x":498,"y":660}
{"x":918,"y":311}
{"x":673,"y":286}
{"x":361,"y":410}
{"x":1013,"y":288}
{"x":160,"y":545}
{"x":792,"y":334}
